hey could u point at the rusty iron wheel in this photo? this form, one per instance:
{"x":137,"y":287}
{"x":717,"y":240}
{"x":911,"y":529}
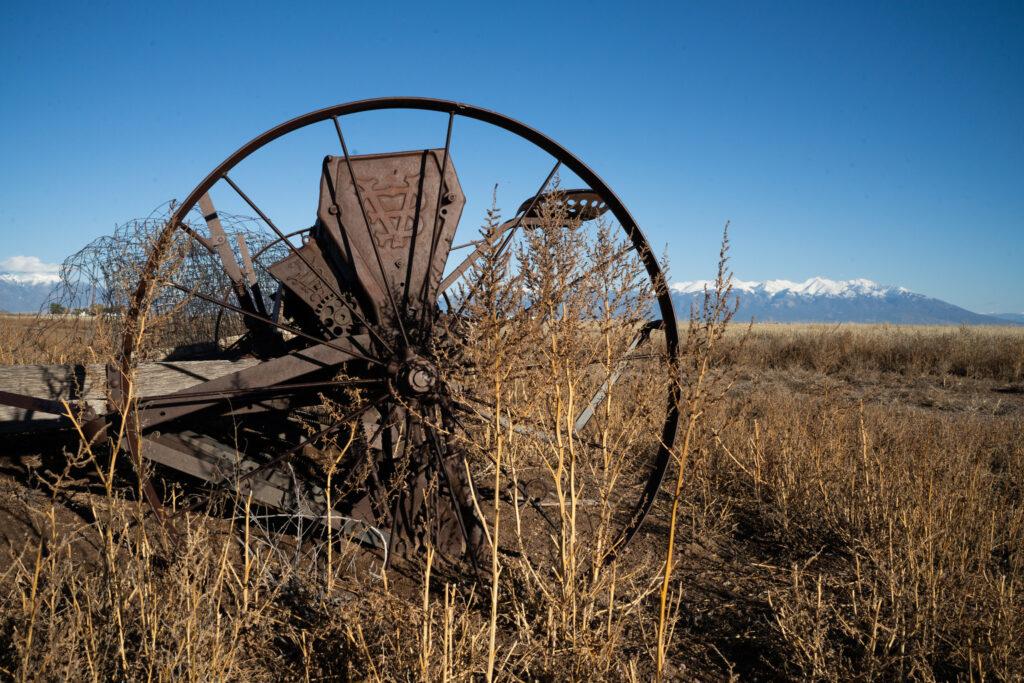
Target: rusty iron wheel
{"x":332,"y":323}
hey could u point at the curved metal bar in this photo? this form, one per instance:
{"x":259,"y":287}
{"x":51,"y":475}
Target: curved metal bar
{"x":584,"y":172}
{"x":286,"y":237}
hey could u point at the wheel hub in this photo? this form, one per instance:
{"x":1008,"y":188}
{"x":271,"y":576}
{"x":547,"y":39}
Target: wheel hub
{"x":416,"y":378}
{"x":421,"y":380}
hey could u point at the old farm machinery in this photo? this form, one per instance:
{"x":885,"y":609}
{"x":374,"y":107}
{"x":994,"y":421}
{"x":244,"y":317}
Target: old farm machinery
{"x":373,"y":348}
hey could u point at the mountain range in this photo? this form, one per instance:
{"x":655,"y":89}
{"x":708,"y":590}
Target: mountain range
{"x":26,"y":283}
{"x":820,"y":299}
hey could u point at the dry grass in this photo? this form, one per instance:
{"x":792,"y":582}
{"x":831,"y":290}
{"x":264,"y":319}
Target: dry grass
{"x":851,"y":508}
{"x":30,"y":339}
{"x":880,"y":542}
{"x":995,"y":352}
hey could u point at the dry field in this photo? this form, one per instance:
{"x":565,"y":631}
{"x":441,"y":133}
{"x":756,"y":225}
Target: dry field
{"x":851,"y":507}
{"x":28,"y":339}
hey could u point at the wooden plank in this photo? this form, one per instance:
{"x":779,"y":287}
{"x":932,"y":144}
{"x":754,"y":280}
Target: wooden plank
{"x":88,"y":383}
{"x":274,"y":371}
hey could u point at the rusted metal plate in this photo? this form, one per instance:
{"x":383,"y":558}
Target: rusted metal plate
{"x":388,"y":210}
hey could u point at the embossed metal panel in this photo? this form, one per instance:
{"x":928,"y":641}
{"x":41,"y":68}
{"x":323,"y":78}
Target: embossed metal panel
{"x":388,"y":211}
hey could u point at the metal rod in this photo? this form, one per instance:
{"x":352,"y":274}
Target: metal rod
{"x":396,"y":508}
{"x":434,"y":439}
{"x":148,"y":401}
{"x":433,"y":226}
{"x":508,"y":238}
{"x":488,"y":413}
{"x":457,"y":272}
{"x":641,"y":337}
{"x":466,"y":245}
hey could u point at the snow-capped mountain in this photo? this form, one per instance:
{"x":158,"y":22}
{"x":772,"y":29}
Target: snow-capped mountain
{"x":816,"y":286}
{"x":820,"y":299}
{"x":19,"y":296}
{"x":25,"y":283}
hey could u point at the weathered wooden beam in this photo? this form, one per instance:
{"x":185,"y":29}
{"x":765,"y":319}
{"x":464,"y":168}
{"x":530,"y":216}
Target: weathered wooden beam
{"x":88,"y":384}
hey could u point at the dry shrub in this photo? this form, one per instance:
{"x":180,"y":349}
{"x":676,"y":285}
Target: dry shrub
{"x":553,"y":321}
{"x":209,"y":602}
{"x":229,"y":603}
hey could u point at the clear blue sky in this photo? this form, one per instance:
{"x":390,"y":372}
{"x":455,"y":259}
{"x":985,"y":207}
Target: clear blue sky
{"x":847,"y":140}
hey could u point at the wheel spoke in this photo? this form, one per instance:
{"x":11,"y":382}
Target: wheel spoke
{"x":400,"y":491}
{"x":379,"y":491}
{"x":482,"y":245}
{"x":437,"y":447}
{"x":425,"y":286}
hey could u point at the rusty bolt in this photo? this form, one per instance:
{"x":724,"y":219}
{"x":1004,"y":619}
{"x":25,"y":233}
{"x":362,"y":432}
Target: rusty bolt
{"x":333,"y":209}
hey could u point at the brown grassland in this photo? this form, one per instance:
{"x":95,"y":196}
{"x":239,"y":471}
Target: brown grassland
{"x":850,"y":506}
